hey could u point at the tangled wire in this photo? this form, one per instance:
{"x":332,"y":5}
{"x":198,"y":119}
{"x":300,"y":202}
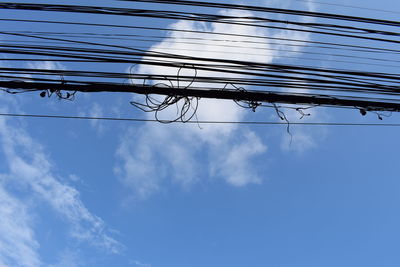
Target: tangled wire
{"x":253,"y":105}
{"x":186,"y":106}
{"x":60,"y":93}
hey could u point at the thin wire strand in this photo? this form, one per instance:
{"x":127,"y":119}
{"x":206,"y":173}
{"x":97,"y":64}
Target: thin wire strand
{"x":201,"y":32}
{"x":199,"y":122}
{"x":167,"y":40}
{"x":349,"y":6}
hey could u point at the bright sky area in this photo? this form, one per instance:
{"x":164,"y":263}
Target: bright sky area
{"x":103,"y":193}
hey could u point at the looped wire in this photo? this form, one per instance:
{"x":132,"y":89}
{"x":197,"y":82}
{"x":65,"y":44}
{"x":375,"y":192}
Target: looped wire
{"x":61,"y":94}
{"x":186,"y":106}
{"x":253,"y":105}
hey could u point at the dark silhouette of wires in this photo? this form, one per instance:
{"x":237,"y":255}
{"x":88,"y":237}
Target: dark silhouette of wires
{"x":186,"y":106}
{"x":257,"y":37}
{"x":255,"y":123}
{"x":224,"y":19}
{"x":250,"y":84}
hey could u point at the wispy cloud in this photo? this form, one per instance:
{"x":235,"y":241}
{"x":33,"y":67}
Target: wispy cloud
{"x":95,"y":110}
{"x":29,"y":166}
{"x":18,"y":245}
{"x":69,"y":258}
{"x":183,"y":154}
{"x":153,"y":155}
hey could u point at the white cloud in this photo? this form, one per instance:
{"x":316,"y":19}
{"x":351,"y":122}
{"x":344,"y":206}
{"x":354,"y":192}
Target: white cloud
{"x":74,"y":177}
{"x":139,"y":264}
{"x":31,"y":170}
{"x":303,"y":138}
{"x":96,"y":110}
{"x":69,"y":258}
{"x":302,"y":36}
{"x":235,"y":164}
{"x":29,"y":167}
{"x":155,"y":155}
{"x":46,"y":65}
{"x":18,"y":246}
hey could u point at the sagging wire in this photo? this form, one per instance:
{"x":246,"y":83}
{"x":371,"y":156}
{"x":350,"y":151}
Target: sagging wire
{"x":67,"y":95}
{"x":253,"y":105}
{"x":60,"y":93}
{"x":301,"y":110}
{"x":379,"y":114}
{"x":283,"y":117}
{"x":16,"y":91}
{"x":187,"y":110}
{"x":186,"y":106}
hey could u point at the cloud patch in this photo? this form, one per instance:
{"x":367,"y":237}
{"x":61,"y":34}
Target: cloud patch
{"x":153,"y":156}
{"x":29,"y":169}
{"x":18,"y":245}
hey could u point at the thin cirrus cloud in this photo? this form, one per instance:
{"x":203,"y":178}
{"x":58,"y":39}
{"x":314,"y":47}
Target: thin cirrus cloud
{"x":28,"y":165}
{"x":153,"y":155}
{"x":18,"y":245}
{"x":29,"y":171}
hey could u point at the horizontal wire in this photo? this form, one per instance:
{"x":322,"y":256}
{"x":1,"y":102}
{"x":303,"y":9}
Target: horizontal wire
{"x":200,"y":122}
{"x":272,"y":10}
{"x":125,"y":37}
{"x":294,"y":71}
{"x":142,"y":52}
{"x":212,"y":51}
{"x":377,"y":49}
{"x":324,"y":78}
{"x":267,"y":83}
{"x":349,"y":78}
{"x":264,"y":96}
{"x":243,"y":47}
{"x":223,"y":19}
{"x":349,"y":6}
{"x":146,"y":53}
{"x":161,"y":50}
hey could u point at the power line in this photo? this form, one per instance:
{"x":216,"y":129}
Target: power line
{"x":242,"y":47}
{"x":200,"y":122}
{"x":349,"y":6}
{"x":272,"y":10}
{"x":211,"y":51}
{"x":236,"y":95}
{"x":224,"y":19}
{"x":273,"y":76}
{"x":374,"y":49}
{"x":157,"y":38}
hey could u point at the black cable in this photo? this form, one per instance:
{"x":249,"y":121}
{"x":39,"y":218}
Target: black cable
{"x":167,"y":40}
{"x":375,"y":49}
{"x":163,"y":55}
{"x":349,"y":6}
{"x":192,"y":16}
{"x":272,"y":10}
{"x":201,"y":122}
{"x":155,"y":38}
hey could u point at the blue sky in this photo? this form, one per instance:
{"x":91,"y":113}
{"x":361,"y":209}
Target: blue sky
{"x":80,"y":193}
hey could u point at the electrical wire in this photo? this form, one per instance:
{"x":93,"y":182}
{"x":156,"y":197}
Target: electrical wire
{"x":341,"y":44}
{"x":349,"y":6}
{"x":200,"y":121}
{"x":343,"y":85}
{"x":256,"y":48}
{"x":271,"y":10}
{"x":223,"y":19}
